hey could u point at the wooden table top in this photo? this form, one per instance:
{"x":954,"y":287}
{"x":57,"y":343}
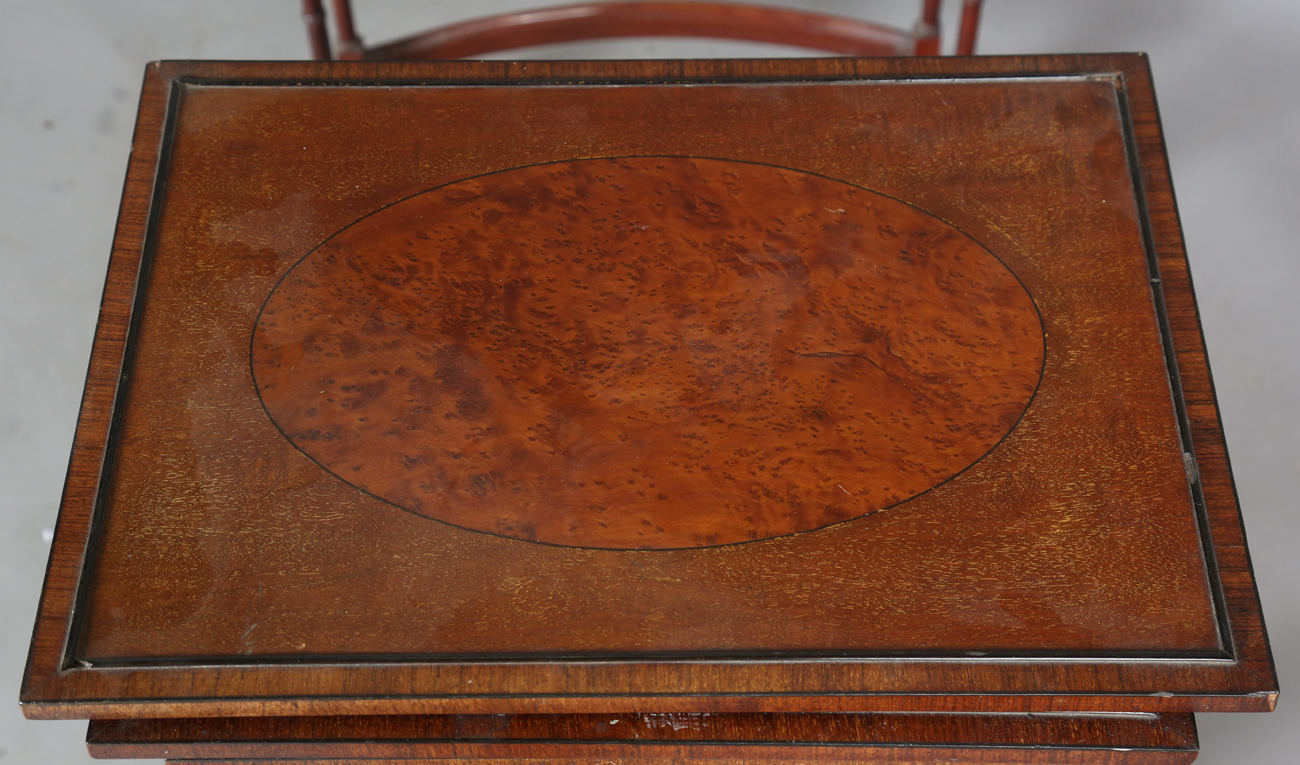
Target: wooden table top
{"x":662,"y":386}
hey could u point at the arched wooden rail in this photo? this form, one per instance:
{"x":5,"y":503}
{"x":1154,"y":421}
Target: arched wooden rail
{"x":604,"y":20}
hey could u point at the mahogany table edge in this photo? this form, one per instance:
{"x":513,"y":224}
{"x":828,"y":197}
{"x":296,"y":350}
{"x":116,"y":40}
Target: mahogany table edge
{"x":1139,"y":738}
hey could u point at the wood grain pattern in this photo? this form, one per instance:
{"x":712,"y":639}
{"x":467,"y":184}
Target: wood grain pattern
{"x":660,"y":737}
{"x":221,"y":540}
{"x":647,"y":353}
{"x":1073,"y":574}
{"x":73,"y":531}
{"x":910,"y":756}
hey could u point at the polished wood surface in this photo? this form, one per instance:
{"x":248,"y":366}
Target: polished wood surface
{"x":230,"y":574}
{"x":647,"y":353}
{"x":262,"y":546}
{"x":658,"y":737}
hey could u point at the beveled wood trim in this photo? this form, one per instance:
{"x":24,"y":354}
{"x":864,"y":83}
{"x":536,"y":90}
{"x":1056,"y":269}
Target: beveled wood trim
{"x":889,"y":756}
{"x":662,"y":703}
{"x":880,"y":756}
{"x":1227,"y":554}
{"x":73,"y":536}
{"x":1173,"y":683}
{"x":749,"y":737}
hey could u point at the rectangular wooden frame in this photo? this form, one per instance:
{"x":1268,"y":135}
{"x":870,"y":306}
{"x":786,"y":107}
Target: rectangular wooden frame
{"x":56,"y":685}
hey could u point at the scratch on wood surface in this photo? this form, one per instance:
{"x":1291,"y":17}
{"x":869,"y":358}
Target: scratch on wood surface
{"x":251,"y":643}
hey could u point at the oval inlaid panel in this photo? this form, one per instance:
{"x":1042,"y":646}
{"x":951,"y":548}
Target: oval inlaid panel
{"x":647,"y":353}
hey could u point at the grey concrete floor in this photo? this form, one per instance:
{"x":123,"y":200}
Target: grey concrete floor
{"x":1225,"y":74}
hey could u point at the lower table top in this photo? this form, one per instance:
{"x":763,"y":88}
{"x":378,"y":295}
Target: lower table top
{"x":635,"y":738}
